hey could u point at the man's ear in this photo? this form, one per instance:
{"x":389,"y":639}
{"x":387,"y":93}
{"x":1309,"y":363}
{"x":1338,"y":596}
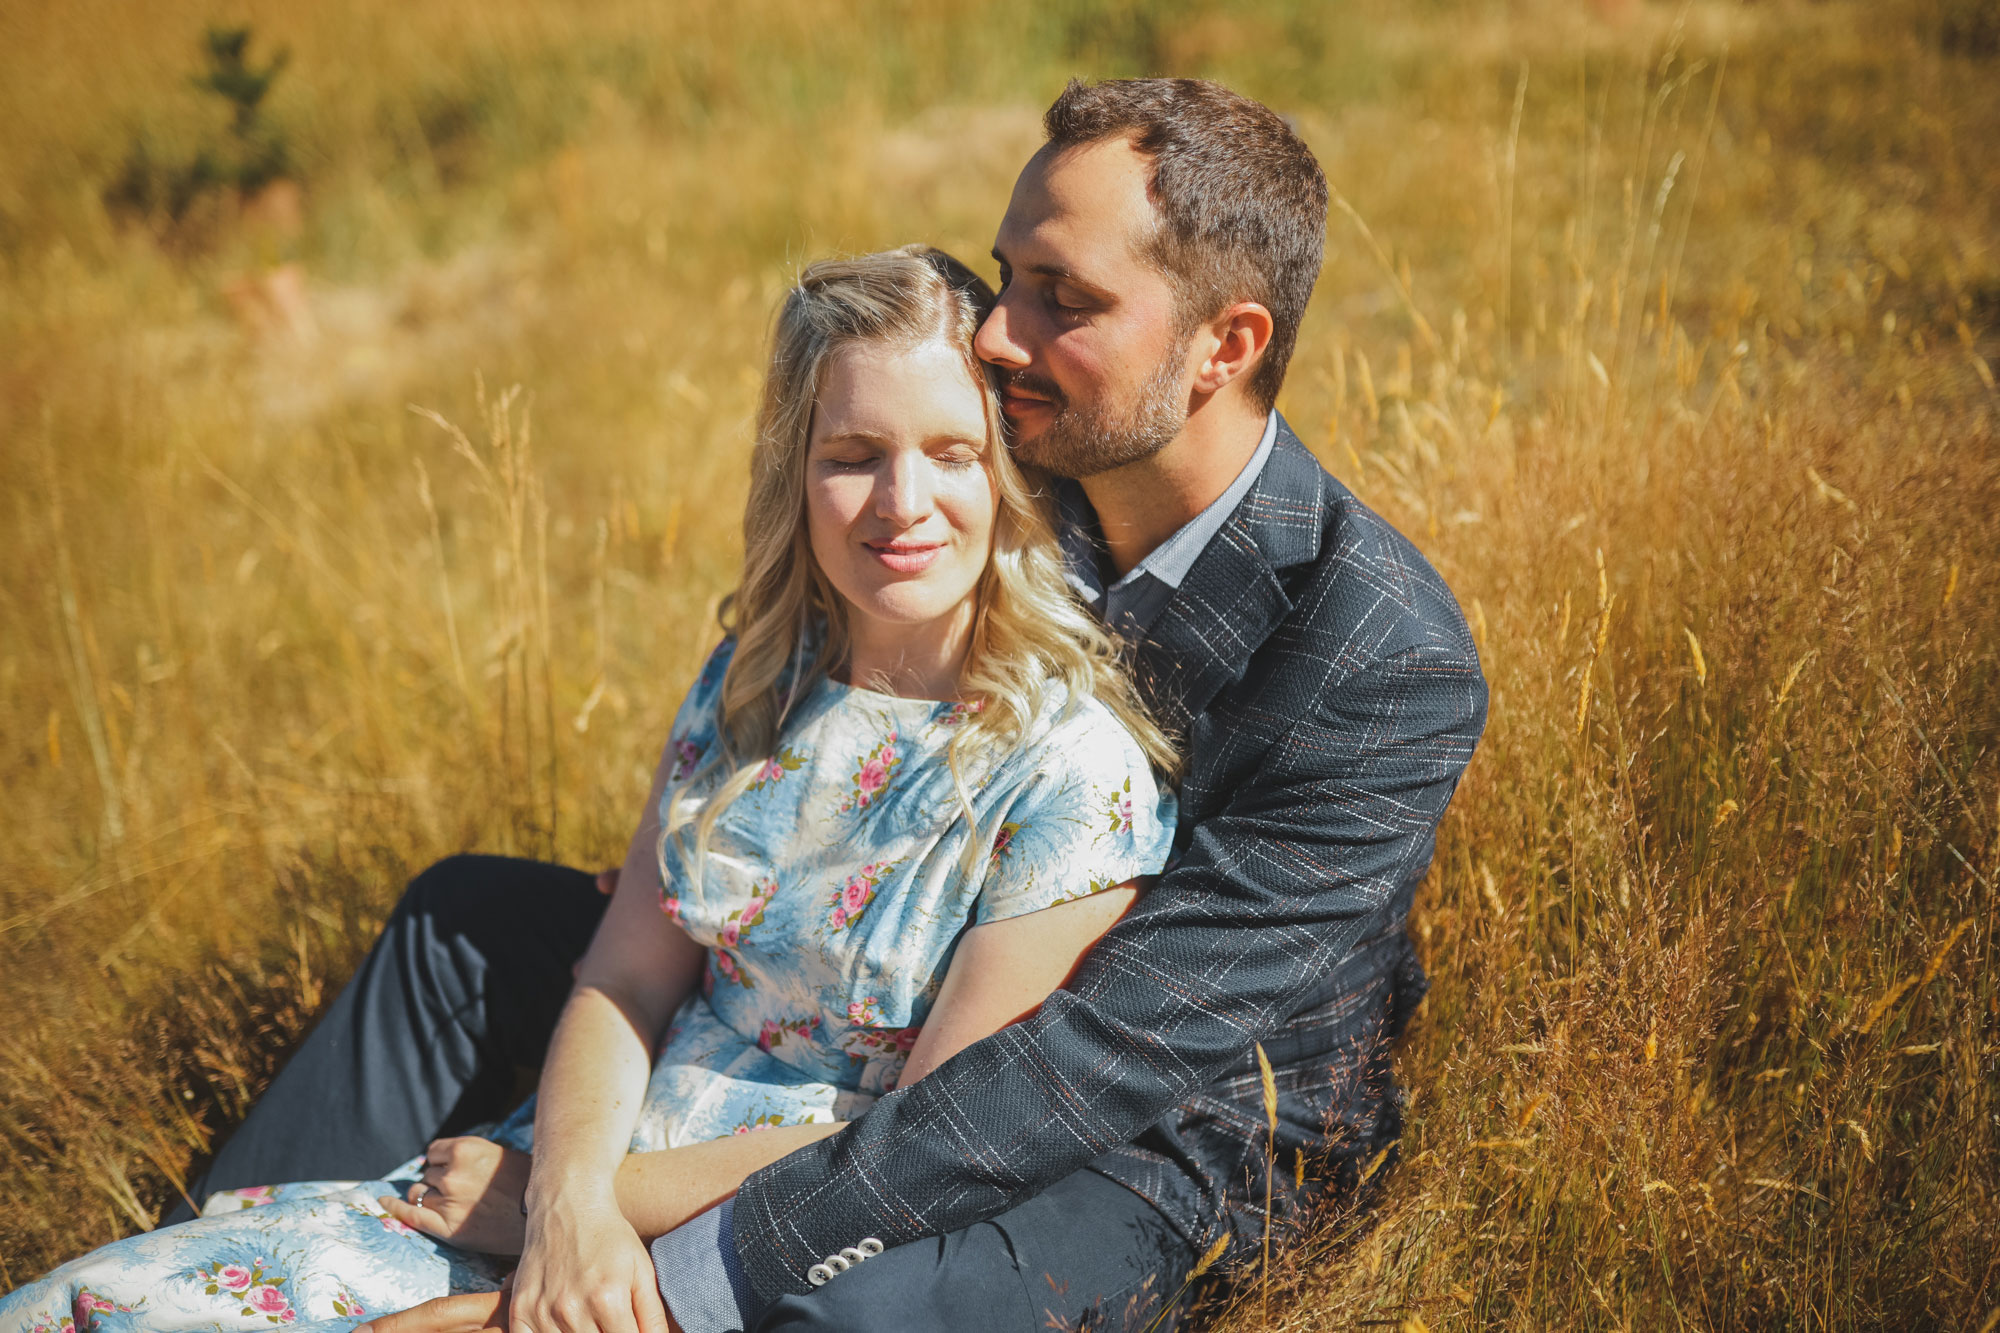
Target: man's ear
{"x":1238,"y":337}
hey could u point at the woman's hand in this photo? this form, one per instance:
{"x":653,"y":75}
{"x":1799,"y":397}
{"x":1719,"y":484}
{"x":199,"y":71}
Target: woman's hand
{"x":585,"y":1270}
{"x":470,"y":1196}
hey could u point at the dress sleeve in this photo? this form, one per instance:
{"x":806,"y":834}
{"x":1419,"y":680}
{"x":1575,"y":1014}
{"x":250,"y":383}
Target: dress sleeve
{"x":694,"y":730}
{"x":1091,"y":817}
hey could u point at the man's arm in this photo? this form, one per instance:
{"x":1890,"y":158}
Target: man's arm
{"x":1267,"y":898}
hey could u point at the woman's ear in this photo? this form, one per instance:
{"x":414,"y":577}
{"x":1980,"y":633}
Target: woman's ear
{"x":1237,"y":339}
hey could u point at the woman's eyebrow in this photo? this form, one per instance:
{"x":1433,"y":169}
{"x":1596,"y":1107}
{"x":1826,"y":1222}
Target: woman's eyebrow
{"x":857,"y":435}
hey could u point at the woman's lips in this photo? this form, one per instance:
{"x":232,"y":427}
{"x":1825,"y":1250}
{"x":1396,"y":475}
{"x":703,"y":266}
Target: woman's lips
{"x":905,"y":557}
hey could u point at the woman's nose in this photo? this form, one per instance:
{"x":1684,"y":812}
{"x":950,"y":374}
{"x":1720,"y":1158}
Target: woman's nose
{"x":904,"y":494}
{"x":995,"y":342}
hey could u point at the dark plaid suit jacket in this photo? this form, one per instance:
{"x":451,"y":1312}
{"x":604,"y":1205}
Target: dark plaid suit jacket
{"x":1329,"y":696}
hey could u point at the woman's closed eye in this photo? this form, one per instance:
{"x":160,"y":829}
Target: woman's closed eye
{"x":956,"y":456}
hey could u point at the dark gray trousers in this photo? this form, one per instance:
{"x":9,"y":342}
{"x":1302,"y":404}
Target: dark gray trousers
{"x":462,"y":992}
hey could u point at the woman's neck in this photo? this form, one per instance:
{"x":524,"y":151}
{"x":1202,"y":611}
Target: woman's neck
{"x":922,"y":661}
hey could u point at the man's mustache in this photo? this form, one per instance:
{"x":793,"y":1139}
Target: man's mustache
{"x":1031,"y":383}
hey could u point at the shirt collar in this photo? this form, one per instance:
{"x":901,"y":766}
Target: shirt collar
{"x":1170,"y":561}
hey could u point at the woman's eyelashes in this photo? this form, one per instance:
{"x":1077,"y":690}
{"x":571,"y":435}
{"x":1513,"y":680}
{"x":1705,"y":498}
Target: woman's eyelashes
{"x":951,"y":457}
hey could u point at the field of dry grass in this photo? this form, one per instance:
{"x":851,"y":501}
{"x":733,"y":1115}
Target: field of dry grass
{"x":1668,"y":331}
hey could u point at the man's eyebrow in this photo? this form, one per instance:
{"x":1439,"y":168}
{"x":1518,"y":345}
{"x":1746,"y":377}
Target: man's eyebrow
{"x":1060,"y":272}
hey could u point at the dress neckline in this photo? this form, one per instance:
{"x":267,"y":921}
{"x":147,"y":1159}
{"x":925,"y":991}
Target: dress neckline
{"x":840,"y":690}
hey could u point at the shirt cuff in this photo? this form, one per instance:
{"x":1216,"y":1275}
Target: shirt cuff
{"x":701,"y":1278}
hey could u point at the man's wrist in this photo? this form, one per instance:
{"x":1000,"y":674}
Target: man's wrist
{"x":701,"y":1278}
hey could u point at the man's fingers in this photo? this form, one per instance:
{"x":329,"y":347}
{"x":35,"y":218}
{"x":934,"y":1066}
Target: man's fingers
{"x":613,"y":1313}
{"x":651,"y":1311}
{"x":607,"y":881}
{"x":447,"y":1314}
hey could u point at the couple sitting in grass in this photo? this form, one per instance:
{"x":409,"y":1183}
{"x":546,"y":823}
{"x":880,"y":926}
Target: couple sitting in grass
{"x":1072,"y":737}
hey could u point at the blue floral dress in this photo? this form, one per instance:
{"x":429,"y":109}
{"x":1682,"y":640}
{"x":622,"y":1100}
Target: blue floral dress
{"x":830,"y":896}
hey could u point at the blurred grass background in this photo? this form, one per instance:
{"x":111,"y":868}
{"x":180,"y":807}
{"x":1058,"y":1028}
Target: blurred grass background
{"x":1667,"y":330}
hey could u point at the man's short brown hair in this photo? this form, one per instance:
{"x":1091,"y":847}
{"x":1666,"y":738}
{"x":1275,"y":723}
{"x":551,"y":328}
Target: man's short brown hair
{"x":1241,"y":199}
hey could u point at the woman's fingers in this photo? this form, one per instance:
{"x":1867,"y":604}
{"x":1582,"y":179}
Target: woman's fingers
{"x":411,"y":1215}
{"x":447,"y":1314}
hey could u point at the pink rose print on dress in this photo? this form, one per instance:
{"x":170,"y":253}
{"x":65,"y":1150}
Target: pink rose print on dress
{"x":1121,"y":809}
{"x":687,"y":757}
{"x":864,"y":1044}
{"x":255,"y":1195}
{"x":960,"y":712}
{"x":670,"y":905}
{"x":271,"y":1303}
{"x":776,"y":1033}
{"x":345,"y":1302}
{"x":866,"y":1012}
{"x":851,"y":899}
{"x":729,"y":969}
{"x":739,"y":922}
{"x":84,"y":1311}
{"x":234,"y":1277}
{"x":88,"y":1305}
{"x":1003,"y":840}
{"x":786,"y":761}
{"x":873,"y":773}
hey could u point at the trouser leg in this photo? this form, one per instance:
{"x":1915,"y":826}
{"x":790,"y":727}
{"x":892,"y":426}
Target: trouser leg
{"x":1086,"y":1255}
{"x":464,"y":986}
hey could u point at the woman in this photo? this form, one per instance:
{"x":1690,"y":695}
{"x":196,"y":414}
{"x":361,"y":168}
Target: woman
{"x":905,"y":795}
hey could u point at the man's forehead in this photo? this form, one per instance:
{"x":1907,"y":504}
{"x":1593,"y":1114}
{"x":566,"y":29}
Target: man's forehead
{"x":1078,"y":208}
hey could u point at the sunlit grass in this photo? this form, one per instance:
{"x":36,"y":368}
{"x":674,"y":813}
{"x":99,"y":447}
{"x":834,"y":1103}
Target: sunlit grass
{"x":1667,"y":333}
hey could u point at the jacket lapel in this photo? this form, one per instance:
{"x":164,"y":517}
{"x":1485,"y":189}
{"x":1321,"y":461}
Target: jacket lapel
{"x":1232,"y":598}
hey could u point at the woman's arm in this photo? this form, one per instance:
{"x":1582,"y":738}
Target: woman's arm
{"x":1000,"y":974}
{"x":639,"y":968}
{"x":579,"y":1255}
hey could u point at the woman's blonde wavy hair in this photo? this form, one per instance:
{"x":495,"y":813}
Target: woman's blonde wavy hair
{"x":790,"y":624}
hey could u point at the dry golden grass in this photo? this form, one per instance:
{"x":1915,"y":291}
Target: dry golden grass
{"x":1667,"y":332}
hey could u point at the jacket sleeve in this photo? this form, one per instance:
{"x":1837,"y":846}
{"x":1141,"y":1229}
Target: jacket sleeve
{"x":1267,"y":896}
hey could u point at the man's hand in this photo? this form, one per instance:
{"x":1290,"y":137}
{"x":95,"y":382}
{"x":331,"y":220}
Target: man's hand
{"x":586,"y":1271}
{"x":481,"y":1313}
{"x":470,"y":1196}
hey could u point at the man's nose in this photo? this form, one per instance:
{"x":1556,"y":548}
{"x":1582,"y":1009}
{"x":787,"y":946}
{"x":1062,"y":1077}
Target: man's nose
{"x":996,"y":344}
{"x":904,"y":494}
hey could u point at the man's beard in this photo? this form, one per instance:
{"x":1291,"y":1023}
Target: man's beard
{"x":1084,"y":441}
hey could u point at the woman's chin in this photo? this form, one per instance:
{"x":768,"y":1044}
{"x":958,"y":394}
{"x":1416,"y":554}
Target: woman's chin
{"x":908,"y":606}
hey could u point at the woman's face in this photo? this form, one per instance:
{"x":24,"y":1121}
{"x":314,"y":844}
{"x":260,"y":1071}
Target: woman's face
{"x":900,"y":500}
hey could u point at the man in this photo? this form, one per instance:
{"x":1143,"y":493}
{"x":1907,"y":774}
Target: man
{"x":1156,"y":259}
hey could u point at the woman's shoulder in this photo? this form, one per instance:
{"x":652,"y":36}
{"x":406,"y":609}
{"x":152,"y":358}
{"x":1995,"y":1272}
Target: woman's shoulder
{"x":1081,"y":734}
